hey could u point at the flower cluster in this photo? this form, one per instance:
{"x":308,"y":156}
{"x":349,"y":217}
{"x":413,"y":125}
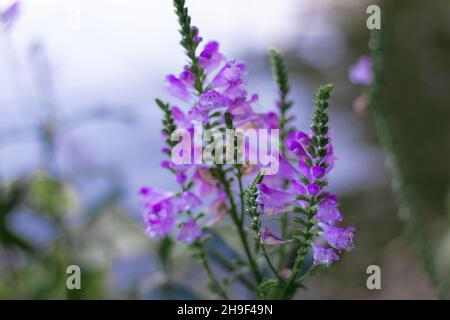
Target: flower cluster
{"x":224,"y":92}
{"x":211,"y":91}
{"x":305,"y":192}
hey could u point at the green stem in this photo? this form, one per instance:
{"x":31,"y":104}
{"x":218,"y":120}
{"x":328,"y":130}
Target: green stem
{"x":202,"y":254}
{"x":239,"y":226}
{"x":403,"y":187}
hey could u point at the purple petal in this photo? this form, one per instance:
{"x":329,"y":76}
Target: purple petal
{"x":269,"y":238}
{"x":189,"y":232}
{"x":323,"y":255}
{"x":177,"y":88}
{"x":212,"y":99}
{"x":274,"y":201}
{"x":361,"y":72}
{"x":338,"y":238}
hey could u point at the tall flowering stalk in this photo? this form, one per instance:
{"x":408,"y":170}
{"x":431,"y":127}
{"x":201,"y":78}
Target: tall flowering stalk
{"x":369,"y":72}
{"x":213,"y":90}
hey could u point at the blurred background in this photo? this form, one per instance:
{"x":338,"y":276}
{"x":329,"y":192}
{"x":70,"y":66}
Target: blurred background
{"x":79,"y":134}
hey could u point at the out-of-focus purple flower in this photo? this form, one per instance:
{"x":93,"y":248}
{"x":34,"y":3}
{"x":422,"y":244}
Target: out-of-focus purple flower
{"x":204,"y":182}
{"x":268,"y":237}
{"x":177,"y":88}
{"x":338,"y":238}
{"x":159,"y":215}
{"x":212,"y":99}
{"x":189,"y":232}
{"x":181,"y":178}
{"x":10,"y":14}
{"x":323,"y":255}
{"x":361,"y":72}
{"x":160,"y":209}
{"x":274,"y":201}
{"x":194,"y":115}
{"x":210,"y":58}
{"x":187,"y":201}
{"x":218,"y":208}
{"x":270,"y":120}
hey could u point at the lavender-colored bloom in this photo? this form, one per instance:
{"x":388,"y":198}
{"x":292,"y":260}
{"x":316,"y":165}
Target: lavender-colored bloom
{"x":204,"y":182}
{"x":328,"y":214}
{"x":338,"y":238}
{"x":268,"y":237}
{"x":274,"y":201}
{"x":286,"y":172}
{"x":181,"y":178}
{"x":177,"y":88}
{"x":10,"y":14}
{"x":323,"y":255}
{"x":229,"y":74}
{"x":269,"y":120}
{"x":189,"y":232}
{"x":361,"y":72}
{"x":210,"y":58}
{"x":236,"y":92}
{"x":318,"y":172}
{"x":313,"y":189}
{"x":187,"y":77}
{"x":218,"y":208}
{"x":212,"y":99}
{"x":159,"y":219}
{"x":183,"y":121}
{"x":159,"y":215}
{"x":187,"y":201}
{"x":196,"y":35}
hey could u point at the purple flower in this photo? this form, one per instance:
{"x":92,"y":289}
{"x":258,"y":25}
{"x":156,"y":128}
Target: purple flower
{"x":212,"y":99}
{"x":218,"y":208}
{"x":181,"y":178}
{"x":323,"y":255}
{"x":229,"y":74}
{"x":187,"y":77}
{"x":183,"y":121}
{"x":286,"y":172}
{"x":189,"y":232}
{"x":159,"y":219}
{"x":328,"y":214}
{"x":338,"y":238}
{"x":177,"y":88}
{"x":210,"y":58}
{"x":274,"y":201}
{"x":195,"y":34}
{"x":204,"y":182}
{"x":10,"y":14}
{"x":160,"y":209}
{"x":318,"y":172}
{"x":313,"y":189}
{"x":187,"y":201}
{"x":361,"y":72}
{"x":268,"y":237}
{"x":159,"y":215}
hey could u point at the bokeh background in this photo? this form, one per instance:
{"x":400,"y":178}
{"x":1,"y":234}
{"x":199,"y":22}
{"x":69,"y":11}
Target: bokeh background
{"x":79,"y":134}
